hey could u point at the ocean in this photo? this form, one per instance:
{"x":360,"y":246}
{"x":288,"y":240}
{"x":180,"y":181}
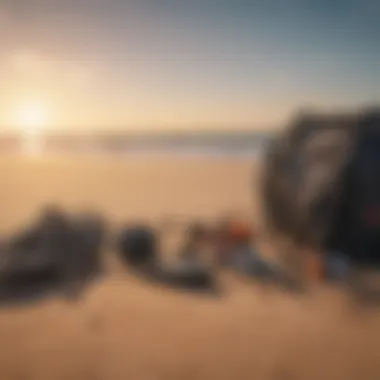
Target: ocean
{"x":235,"y":144}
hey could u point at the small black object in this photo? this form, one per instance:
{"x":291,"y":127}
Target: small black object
{"x":137,"y":245}
{"x":139,"y":249}
{"x":187,"y":275}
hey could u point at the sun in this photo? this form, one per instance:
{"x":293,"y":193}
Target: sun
{"x":31,"y":117}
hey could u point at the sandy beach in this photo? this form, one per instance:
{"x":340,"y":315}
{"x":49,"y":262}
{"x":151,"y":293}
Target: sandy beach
{"x":126,"y":187}
{"x":124,"y":328}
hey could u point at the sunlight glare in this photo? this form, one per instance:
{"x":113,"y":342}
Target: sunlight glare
{"x":31,"y":117}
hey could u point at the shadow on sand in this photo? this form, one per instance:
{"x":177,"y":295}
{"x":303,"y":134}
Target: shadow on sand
{"x":38,"y":289}
{"x":158,"y":277}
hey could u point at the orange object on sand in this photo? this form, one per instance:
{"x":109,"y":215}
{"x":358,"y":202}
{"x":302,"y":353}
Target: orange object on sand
{"x":240,"y":231}
{"x":315,"y":267}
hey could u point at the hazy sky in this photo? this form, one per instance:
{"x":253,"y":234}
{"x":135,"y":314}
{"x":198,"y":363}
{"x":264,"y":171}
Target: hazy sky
{"x":153,"y":64}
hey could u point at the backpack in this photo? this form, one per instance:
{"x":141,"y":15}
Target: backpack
{"x":321,"y":183}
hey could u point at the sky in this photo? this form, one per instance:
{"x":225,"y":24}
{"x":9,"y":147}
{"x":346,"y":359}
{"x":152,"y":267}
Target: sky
{"x":184,"y":64}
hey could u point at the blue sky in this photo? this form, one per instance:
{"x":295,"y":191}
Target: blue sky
{"x":192,"y":62}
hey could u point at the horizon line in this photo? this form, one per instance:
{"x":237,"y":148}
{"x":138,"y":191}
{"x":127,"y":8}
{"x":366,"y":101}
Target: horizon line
{"x":238,"y":129}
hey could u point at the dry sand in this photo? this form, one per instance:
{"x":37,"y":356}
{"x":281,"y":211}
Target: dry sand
{"x":126,"y":329}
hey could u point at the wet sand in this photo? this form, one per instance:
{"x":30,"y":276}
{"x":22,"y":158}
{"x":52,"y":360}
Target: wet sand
{"x":124,"y":328}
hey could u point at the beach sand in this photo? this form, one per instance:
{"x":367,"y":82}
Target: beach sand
{"x":124,"y":328}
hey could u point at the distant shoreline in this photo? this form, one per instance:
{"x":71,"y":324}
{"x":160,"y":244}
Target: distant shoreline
{"x":190,"y":144}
